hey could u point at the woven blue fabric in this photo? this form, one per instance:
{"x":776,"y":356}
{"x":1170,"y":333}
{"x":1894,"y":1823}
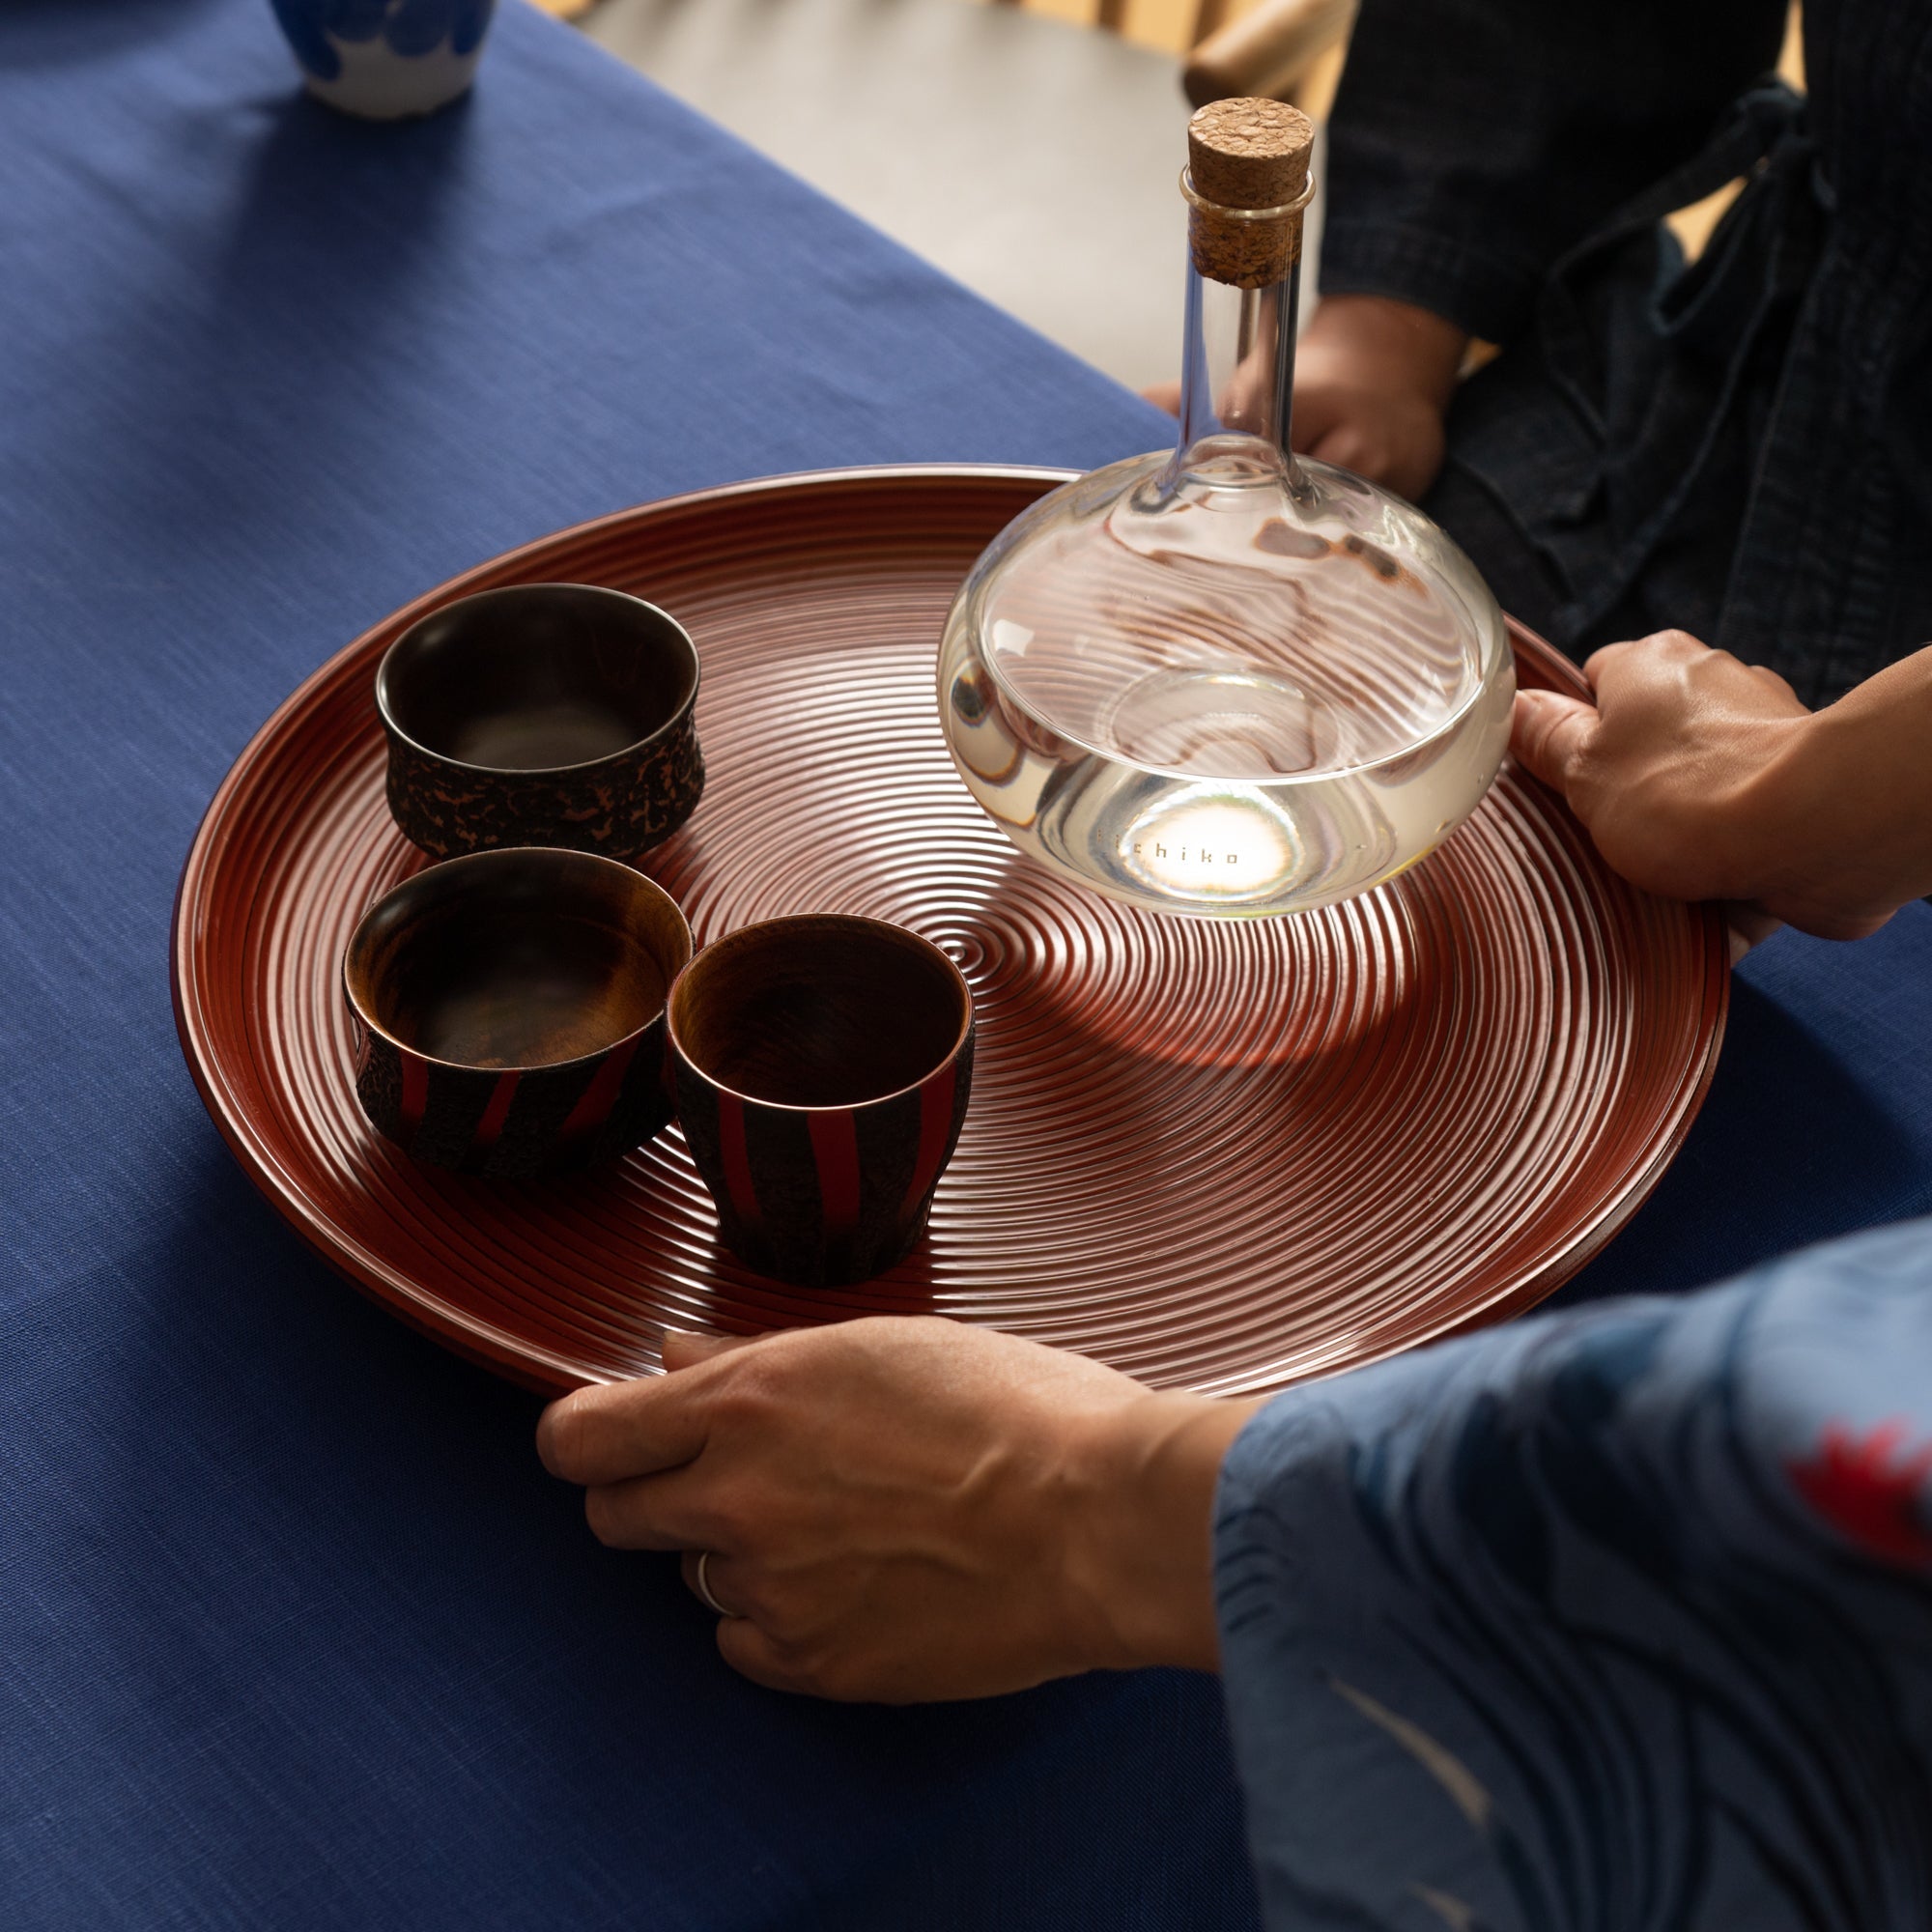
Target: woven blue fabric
{"x":293,"y":1630}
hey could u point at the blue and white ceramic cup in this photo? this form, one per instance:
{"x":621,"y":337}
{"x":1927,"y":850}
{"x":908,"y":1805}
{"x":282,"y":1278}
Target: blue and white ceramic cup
{"x":384,"y":59}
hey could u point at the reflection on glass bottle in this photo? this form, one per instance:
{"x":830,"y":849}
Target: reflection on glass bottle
{"x":1227,"y":680}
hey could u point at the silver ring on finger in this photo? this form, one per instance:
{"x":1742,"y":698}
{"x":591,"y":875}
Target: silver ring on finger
{"x":701,"y":1582}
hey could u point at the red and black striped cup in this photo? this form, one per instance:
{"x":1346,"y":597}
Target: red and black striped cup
{"x":508,"y":1011}
{"x":822,"y":1065}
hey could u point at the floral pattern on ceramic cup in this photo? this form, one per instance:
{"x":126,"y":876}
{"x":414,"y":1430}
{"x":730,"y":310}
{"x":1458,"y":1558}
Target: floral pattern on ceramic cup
{"x":383,"y":59}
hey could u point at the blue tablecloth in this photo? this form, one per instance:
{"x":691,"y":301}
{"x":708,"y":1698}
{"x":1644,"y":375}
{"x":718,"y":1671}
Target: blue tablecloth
{"x":293,"y":1630}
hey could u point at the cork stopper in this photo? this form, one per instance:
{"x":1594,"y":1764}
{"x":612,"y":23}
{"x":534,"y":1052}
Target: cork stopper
{"x":1247,"y":155}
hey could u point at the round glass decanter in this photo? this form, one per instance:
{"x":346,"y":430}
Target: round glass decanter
{"x":1227,"y":680}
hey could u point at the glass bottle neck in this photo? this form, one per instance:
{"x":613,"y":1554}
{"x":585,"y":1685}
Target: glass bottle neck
{"x":1238,"y":375}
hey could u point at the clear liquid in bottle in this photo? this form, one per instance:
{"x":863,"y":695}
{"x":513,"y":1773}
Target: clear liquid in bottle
{"x":1226,"y":680}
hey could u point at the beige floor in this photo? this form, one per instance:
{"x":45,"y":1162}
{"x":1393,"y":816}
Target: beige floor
{"x":1033,"y":161}
{"x":1166,"y":25}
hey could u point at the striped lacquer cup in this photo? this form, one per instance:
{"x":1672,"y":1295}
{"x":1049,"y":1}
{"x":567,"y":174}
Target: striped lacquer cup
{"x":508,"y":1011}
{"x":822,"y":1065}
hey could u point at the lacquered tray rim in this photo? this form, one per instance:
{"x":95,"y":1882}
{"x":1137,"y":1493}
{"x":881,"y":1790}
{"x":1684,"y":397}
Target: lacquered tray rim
{"x":517,"y":1358}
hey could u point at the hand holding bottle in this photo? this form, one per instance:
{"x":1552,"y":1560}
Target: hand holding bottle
{"x":1373,"y":379}
{"x":1703,"y":778}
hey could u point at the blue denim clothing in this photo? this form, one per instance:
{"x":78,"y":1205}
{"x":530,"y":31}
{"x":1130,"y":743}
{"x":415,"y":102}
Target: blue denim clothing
{"x":1615,"y":1621}
{"x":1742,"y":446}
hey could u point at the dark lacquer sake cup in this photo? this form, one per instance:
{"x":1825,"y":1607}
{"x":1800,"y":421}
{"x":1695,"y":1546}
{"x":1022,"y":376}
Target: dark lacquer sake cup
{"x":543,"y":714}
{"x":508,"y":1009}
{"x":822,"y":1067}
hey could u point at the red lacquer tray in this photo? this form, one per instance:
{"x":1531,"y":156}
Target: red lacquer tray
{"x":1217,"y":1156}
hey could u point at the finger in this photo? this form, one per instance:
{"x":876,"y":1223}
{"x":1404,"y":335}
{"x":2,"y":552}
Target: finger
{"x":751,"y":1654}
{"x":1163,"y":396}
{"x":1779,"y":687}
{"x":718,"y":1579}
{"x":667,"y":1512}
{"x":1600,"y":664}
{"x":1346,"y":448}
{"x":1380,"y":458}
{"x":1748,"y":926}
{"x":615,"y":1430}
{"x":1643,"y":657}
{"x":1316,"y":417}
{"x":685,"y":1349}
{"x":1843,"y":925}
{"x":1550,"y":733}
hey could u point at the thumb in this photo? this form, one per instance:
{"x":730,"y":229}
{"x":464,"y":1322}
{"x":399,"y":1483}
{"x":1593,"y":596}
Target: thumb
{"x":751,"y":1654}
{"x":1551,"y":733}
{"x":1748,"y":926}
{"x":1318,"y":414}
{"x":684,"y":1350}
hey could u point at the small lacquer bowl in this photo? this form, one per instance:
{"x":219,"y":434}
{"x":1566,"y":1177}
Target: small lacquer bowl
{"x":508,"y":1009}
{"x":542,"y":714}
{"x":822,"y":1067}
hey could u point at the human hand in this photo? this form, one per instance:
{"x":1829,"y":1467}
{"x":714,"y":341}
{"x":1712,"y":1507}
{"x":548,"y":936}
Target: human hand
{"x":1700,"y":776}
{"x":901,"y":1509}
{"x":1373,"y":379}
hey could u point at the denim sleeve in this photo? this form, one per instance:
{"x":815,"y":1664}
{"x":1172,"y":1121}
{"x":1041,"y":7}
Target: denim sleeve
{"x":1473,"y":141}
{"x":1611,"y":1622}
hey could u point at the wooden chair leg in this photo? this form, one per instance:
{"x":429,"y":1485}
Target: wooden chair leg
{"x":1210,"y":17}
{"x":1266,"y":52}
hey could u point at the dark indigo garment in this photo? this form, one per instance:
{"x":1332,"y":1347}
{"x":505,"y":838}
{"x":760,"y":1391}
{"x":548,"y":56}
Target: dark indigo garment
{"x":1616,"y":1621}
{"x":1741,"y":448}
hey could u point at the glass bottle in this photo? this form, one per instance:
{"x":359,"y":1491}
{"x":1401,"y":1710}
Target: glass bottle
{"x":1227,"y":680}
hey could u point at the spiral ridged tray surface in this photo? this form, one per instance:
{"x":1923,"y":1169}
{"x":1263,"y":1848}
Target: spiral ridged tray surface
{"x":1218,"y":1155}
